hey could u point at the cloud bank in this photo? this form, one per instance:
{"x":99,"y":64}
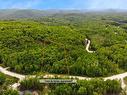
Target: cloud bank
{"x":107,"y":4}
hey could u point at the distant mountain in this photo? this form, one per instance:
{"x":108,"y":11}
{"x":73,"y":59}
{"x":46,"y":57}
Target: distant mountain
{"x":15,"y":14}
{"x":31,"y":13}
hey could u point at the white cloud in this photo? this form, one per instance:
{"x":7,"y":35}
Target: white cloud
{"x":107,"y":4}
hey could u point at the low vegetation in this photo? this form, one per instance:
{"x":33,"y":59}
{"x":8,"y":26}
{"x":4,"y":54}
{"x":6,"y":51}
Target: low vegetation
{"x":10,"y":92}
{"x":5,"y":82}
{"x":31,"y":84}
{"x":82,"y":87}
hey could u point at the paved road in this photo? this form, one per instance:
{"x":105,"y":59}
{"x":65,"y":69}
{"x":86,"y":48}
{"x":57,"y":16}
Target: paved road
{"x":87,"y":46}
{"x":21,"y":77}
{"x":12,"y":74}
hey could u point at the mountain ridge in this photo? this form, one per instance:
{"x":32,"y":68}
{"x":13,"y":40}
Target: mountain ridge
{"x":33,"y":13}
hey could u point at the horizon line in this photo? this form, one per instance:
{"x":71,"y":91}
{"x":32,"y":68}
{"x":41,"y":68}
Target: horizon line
{"x":62,"y":9}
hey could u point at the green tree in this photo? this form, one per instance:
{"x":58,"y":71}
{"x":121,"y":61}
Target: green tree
{"x":2,"y":78}
{"x":30,"y":84}
{"x":63,"y":90}
{"x":82,"y":91}
{"x":10,"y":92}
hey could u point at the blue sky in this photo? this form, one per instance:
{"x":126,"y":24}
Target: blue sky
{"x":63,"y":4}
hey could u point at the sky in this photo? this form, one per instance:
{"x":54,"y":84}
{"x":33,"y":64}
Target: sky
{"x":63,"y":4}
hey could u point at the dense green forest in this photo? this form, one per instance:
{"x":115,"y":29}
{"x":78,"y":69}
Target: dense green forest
{"x":82,"y":87}
{"x":55,"y":44}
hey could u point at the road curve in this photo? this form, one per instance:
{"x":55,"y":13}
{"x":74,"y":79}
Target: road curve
{"x":22,"y":77}
{"x":12,"y":74}
{"x":87,"y":46}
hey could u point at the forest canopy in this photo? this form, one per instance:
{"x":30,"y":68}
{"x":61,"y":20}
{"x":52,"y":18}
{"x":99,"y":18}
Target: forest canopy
{"x":55,"y":44}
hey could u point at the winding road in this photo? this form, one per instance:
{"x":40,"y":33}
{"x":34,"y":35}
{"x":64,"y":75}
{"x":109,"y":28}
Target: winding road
{"x":87,"y":46}
{"x":12,"y":74}
{"x":22,"y":77}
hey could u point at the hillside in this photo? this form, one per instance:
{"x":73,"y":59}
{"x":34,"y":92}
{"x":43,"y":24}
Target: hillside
{"x":55,"y":44}
{"x":87,"y":47}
